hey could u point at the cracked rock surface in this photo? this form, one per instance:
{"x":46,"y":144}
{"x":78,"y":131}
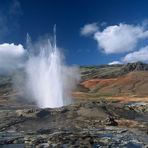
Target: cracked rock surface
{"x":85,"y":124}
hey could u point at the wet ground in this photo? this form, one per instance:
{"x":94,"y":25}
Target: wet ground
{"x":82,"y":124}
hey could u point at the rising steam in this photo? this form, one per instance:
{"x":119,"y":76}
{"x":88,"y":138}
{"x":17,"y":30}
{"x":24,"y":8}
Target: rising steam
{"x":49,"y":81}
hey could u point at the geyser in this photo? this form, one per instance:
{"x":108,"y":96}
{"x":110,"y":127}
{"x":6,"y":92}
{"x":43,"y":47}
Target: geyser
{"x":49,"y":81}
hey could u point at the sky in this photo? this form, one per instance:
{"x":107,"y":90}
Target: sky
{"x":89,"y":32}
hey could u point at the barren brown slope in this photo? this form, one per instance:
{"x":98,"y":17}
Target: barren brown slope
{"x":134,"y":83}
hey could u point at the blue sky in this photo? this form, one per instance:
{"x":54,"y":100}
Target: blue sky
{"x":37,"y":17}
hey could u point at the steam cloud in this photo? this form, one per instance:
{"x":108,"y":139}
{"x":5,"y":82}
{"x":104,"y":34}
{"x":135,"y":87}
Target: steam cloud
{"x":49,"y":81}
{"x":44,"y":78}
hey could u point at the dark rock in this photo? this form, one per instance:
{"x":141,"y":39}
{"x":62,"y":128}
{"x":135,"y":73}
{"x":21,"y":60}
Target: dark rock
{"x":64,"y":110}
{"x":86,"y":124}
{"x":138,"y":66}
{"x":110,"y":121}
{"x":44,"y":131}
{"x":42,"y":113}
{"x":133,"y":145}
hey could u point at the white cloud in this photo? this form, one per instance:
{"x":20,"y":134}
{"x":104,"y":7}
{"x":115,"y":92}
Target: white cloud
{"x":114,"y":63}
{"x":141,"y":55}
{"x":120,"y":38}
{"x":89,"y":29}
{"x":11,"y":56}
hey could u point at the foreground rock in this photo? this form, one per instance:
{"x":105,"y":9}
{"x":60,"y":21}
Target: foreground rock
{"x":90,"y":137}
{"x":87,"y":124}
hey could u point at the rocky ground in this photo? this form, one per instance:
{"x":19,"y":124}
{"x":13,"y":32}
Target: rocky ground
{"x":83,"y":124}
{"x":94,"y":120}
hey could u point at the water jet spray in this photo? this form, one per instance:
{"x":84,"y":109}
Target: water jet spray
{"x":49,"y":81}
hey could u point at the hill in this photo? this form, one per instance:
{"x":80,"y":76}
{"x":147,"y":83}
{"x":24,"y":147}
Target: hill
{"x":133,"y":83}
{"x":104,"y":80}
{"x":110,"y":71}
{"x":84,"y":123}
{"x":115,"y":80}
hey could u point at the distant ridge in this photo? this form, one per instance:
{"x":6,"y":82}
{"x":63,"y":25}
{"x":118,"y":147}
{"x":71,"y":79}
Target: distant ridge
{"x":114,"y":80}
{"x":138,"y":66}
{"x":111,"y":71}
{"x":130,"y":78}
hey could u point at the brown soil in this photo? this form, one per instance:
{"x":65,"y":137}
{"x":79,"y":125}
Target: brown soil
{"x":134,"y":83}
{"x":129,"y":99}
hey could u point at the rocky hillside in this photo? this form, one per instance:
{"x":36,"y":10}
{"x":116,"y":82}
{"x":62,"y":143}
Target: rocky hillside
{"x":84,"y":125}
{"x":133,"y":83}
{"x":110,"y":71}
{"x":129,"y":79}
{"x":89,"y":122}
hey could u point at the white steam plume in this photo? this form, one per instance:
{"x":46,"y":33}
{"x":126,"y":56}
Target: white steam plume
{"x":49,"y":81}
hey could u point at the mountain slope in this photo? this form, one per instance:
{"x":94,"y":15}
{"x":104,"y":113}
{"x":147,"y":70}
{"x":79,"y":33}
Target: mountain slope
{"x":115,"y":80}
{"x":110,"y":71}
{"x":134,"y":83}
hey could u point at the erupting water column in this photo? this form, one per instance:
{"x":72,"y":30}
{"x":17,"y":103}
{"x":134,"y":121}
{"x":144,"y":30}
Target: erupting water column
{"x":45,"y":73}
